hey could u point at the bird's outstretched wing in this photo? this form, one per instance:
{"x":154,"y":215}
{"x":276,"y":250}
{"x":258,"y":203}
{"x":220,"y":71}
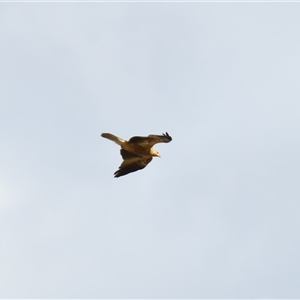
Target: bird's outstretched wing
{"x":132,"y":164}
{"x":150,"y":140}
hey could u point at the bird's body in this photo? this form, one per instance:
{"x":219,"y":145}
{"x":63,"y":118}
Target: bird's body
{"x":137,"y":153}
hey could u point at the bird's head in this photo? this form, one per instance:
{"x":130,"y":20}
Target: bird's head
{"x":154,"y":152}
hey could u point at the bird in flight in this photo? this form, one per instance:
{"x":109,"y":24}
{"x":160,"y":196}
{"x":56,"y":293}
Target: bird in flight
{"x":137,"y":153}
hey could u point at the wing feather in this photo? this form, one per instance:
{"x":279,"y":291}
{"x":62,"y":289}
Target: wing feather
{"x":132,"y":164}
{"x":150,"y":140}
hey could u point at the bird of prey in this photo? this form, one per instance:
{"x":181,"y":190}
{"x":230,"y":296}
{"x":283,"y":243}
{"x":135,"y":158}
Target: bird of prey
{"x":137,"y":153}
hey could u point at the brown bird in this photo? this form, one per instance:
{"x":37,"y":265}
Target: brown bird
{"x":137,"y":153}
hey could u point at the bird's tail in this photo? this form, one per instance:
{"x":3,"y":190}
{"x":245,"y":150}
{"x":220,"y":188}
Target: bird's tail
{"x":113,"y":138}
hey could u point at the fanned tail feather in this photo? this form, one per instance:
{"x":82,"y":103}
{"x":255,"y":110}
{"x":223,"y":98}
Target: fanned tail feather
{"x":113,"y":138}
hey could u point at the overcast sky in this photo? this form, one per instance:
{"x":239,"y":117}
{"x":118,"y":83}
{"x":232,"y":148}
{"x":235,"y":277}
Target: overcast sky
{"x":217,"y":216}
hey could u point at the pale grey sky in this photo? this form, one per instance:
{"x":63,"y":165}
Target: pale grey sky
{"x":218,"y":216}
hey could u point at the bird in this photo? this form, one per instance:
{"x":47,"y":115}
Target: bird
{"x":137,"y":152}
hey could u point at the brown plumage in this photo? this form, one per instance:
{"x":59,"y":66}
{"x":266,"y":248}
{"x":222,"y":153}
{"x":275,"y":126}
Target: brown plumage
{"x":137,"y":153}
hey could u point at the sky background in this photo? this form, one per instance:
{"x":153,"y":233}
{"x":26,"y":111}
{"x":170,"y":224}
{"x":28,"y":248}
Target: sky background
{"x":218,"y":216}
